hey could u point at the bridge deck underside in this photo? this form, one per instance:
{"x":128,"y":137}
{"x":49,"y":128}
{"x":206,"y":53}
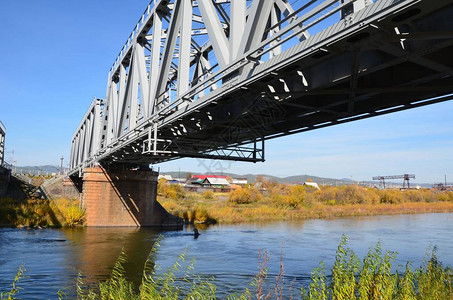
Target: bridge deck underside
{"x":372,"y":71}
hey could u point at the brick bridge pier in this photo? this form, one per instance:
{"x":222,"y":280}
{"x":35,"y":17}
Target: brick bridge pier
{"x":114,"y":197}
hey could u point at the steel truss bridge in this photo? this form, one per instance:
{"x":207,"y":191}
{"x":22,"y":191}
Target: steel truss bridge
{"x":216,"y":78}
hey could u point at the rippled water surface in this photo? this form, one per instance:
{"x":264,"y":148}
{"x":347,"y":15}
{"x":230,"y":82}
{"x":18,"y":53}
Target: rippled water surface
{"x":54,"y":257}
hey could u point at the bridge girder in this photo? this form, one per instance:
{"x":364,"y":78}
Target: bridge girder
{"x":209,"y":79}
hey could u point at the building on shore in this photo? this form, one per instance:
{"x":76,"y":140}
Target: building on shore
{"x":239,"y":181}
{"x":312,"y":184}
{"x":201,"y":183}
{"x":166,"y":177}
{"x":216,"y":182}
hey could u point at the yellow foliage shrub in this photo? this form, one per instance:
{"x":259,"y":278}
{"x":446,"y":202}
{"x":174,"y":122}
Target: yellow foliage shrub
{"x":245,"y":195}
{"x":173,"y":191}
{"x":390,"y":196}
{"x":208,"y":195}
{"x":197,"y":215}
{"x":31,"y":213}
{"x":327,"y":194}
{"x":290,"y":196}
{"x":69,"y":211}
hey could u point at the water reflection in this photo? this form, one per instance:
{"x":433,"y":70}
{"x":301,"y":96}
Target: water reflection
{"x":97,"y":249}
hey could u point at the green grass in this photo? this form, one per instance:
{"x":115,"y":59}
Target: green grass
{"x":14,"y":285}
{"x":350,"y":278}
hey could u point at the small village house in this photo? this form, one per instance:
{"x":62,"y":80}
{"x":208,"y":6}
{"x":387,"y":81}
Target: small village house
{"x":201,"y":183}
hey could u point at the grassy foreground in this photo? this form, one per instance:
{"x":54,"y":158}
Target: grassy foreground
{"x":291,"y":202}
{"x":350,"y":278}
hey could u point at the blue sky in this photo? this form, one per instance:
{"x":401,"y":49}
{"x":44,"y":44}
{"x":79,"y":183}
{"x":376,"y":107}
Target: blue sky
{"x":55,"y":57}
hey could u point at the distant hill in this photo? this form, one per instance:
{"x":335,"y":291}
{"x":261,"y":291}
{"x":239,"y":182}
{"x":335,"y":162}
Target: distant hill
{"x":252,"y":177}
{"x":37,"y":169}
{"x":296,"y":179}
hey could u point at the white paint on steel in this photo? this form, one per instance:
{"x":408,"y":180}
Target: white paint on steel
{"x":182,"y":53}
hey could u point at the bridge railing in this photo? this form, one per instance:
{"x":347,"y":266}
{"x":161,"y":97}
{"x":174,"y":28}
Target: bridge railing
{"x":85,"y":142}
{"x":6,"y":165}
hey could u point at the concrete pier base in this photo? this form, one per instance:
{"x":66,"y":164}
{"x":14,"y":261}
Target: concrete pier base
{"x":124,"y":198}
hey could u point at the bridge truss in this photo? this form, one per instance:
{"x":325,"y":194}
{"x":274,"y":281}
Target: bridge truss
{"x":216,"y":78}
{"x":2,"y":143}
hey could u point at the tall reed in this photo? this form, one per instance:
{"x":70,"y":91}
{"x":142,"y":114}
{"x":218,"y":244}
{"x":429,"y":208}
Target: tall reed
{"x":176,"y":282}
{"x":349,"y":278}
{"x":14,"y":285}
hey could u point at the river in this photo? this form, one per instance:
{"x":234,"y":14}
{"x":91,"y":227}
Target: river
{"x":229,"y":253}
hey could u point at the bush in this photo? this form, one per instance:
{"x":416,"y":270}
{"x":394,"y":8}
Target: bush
{"x":347,"y":194}
{"x":208,"y":195}
{"x":173,"y":191}
{"x":297,"y":196}
{"x":327,"y":195}
{"x":30,"y":213}
{"x":201,"y":215}
{"x":196,"y":215}
{"x":69,"y":212}
{"x":390,"y":196}
{"x":292,"y":196}
{"x":161,"y":186}
{"x":245,"y":196}
{"x":444,"y":196}
{"x":352,"y":194}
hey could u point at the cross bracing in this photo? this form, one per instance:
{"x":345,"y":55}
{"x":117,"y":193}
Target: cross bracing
{"x":216,"y":78}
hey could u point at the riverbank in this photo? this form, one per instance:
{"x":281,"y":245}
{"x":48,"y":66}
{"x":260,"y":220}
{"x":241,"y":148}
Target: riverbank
{"x":26,"y":205}
{"x":224,"y":213}
{"x":40,"y":213}
{"x":284,"y":202}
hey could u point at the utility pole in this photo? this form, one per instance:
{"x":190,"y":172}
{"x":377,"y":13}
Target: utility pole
{"x":61,"y":166}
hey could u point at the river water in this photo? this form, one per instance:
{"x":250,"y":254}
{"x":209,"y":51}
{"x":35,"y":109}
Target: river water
{"x":229,"y":253}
